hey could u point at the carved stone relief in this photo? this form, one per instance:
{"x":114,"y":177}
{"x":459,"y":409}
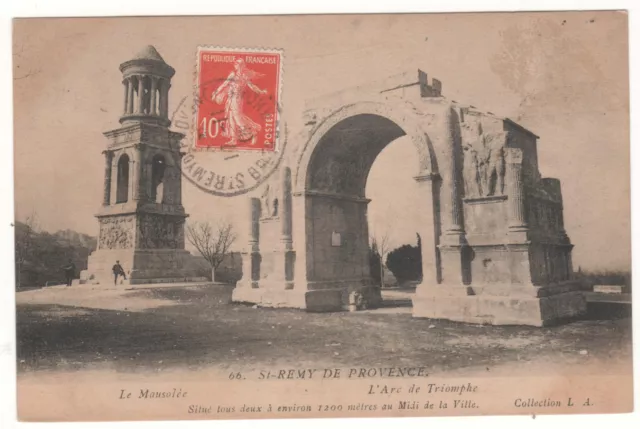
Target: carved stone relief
{"x":483,"y":164}
{"x":160,"y":232}
{"x":269,"y":201}
{"x":116,"y":232}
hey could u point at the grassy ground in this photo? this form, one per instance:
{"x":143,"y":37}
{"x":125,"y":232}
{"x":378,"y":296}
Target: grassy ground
{"x":192,"y":328}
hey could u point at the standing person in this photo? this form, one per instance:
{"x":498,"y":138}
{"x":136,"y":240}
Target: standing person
{"x":69,"y":271}
{"x":118,"y":271}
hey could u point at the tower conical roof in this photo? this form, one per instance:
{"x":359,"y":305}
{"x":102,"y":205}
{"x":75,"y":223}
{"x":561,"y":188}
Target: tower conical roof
{"x":148,"y":53}
{"x":147,"y":61}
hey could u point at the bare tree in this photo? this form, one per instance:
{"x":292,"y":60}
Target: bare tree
{"x":24,"y":233}
{"x":381,"y":244}
{"x":213,"y":244}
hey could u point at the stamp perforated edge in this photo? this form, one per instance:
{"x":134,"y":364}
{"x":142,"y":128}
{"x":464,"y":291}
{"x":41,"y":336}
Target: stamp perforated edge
{"x":196,"y":84}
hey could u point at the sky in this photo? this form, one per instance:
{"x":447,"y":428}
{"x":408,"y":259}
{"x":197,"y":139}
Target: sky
{"x":562,"y":75}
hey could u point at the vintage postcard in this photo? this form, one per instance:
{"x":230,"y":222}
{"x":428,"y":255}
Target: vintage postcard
{"x":322,"y":216}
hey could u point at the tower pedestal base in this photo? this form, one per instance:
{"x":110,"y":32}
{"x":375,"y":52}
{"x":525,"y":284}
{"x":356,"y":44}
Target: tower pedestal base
{"x":141,"y":266}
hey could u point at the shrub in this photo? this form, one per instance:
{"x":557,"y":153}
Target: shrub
{"x":405,"y":263}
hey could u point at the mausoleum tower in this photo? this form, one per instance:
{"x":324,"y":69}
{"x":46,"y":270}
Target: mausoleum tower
{"x":142,"y":217}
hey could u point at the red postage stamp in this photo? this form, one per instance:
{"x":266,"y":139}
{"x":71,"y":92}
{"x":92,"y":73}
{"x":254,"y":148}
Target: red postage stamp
{"x":238,"y":95}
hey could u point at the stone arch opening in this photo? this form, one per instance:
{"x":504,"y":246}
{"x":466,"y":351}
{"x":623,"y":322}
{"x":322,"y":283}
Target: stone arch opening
{"x":341,"y":161}
{"x":332,"y":176}
{"x":394,"y":219}
{"x":122,"y":189}
{"x":158,"y":168}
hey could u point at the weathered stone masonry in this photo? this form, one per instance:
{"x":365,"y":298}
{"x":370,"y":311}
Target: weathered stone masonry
{"x":494,"y":245}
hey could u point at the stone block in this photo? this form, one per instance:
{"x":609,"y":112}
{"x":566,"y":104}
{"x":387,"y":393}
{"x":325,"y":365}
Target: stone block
{"x":497,"y":309}
{"x":317,"y":299}
{"x":324,"y":300}
{"x":607,"y":288}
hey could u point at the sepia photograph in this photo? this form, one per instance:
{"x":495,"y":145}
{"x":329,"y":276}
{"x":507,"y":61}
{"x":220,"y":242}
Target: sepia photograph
{"x":309,"y":216}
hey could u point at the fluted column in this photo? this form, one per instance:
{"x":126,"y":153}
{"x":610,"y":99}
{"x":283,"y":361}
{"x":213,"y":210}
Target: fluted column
{"x":286,"y":209}
{"x":453,"y":228}
{"x":428,"y":228}
{"x":138,"y":181}
{"x":454,"y":261}
{"x":287,"y":227}
{"x":108,"y":157}
{"x":517,"y":219}
{"x":164,"y":98}
{"x":125,"y":84}
{"x":254,"y":229}
{"x":254,"y":241}
{"x":154,"y":87}
{"x":140,"y":107}
{"x":130,"y":95}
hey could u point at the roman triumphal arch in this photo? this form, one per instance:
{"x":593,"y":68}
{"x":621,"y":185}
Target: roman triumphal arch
{"x":494,"y":248}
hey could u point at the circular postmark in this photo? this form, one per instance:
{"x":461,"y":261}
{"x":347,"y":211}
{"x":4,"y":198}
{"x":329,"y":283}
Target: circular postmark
{"x":232,"y":120}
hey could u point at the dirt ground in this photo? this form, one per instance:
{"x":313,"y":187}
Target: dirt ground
{"x":192,"y":328}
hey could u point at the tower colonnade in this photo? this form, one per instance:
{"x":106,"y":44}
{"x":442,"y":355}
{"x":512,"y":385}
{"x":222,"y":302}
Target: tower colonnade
{"x":145,"y":95}
{"x":146,"y":80}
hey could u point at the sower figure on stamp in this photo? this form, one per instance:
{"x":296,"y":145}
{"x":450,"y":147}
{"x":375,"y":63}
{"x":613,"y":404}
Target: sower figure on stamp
{"x":239,"y":127}
{"x":69,"y":271}
{"x":118,"y":271}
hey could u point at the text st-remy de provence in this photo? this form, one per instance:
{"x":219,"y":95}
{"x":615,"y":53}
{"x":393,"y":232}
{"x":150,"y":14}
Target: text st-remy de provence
{"x":353,"y":373}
